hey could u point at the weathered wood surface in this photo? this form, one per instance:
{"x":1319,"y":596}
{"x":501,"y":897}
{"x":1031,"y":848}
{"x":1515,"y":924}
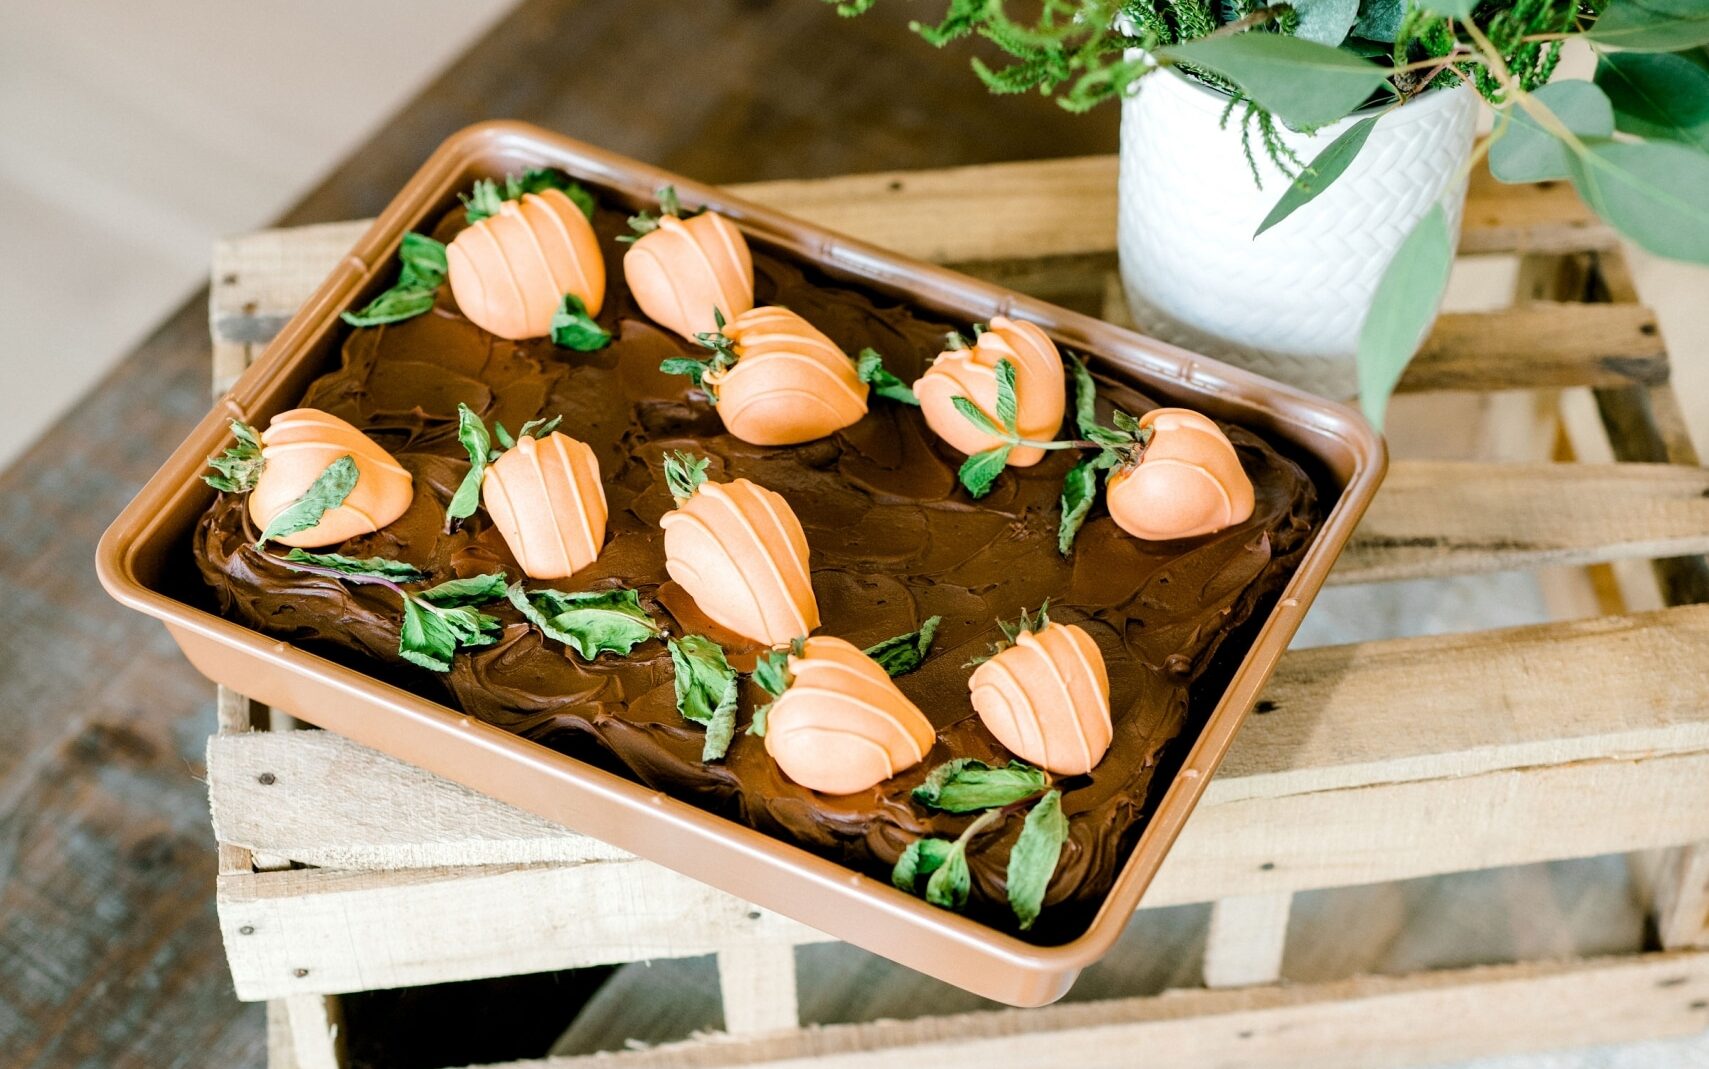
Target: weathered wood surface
{"x":1367,"y":1022}
{"x":1246,"y":938}
{"x":103,"y":838}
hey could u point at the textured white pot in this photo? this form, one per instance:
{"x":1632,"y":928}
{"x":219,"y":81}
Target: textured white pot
{"x":1290,"y":303}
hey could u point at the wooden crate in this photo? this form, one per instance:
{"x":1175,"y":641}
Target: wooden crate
{"x":343,"y":870}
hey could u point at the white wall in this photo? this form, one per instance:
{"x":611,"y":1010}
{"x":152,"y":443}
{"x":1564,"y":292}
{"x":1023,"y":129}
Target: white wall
{"x":133,"y":134}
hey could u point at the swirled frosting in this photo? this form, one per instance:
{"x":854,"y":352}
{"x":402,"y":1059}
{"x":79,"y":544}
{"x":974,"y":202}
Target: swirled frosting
{"x":893,"y":541}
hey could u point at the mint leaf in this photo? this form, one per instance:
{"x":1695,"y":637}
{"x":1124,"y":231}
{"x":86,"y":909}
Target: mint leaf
{"x":757,"y":725}
{"x":1324,"y":169}
{"x":1033,"y":860}
{"x":472,"y":432}
{"x":326,"y":493}
{"x":475,"y":590}
{"x":573,"y":328}
{"x":904,"y":653}
{"x":980,"y":470}
{"x":591,"y":622}
{"x":976,"y":415}
{"x":1085,"y":395}
{"x":952,"y":881}
{"x":684,"y":472}
{"x":384,"y":567}
{"x":872,"y":372}
{"x":482,"y":202}
{"x":240,"y":465}
{"x":424,"y":269}
{"x":669,"y":204}
{"x":705,"y":691}
{"x":965,"y":785}
{"x":537,"y":429}
{"x":1007,"y":405}
{"x":1079,"y":490}
{"x":921,"y":857}
{"x":425,"y":639}
{"x":685,"y":365}
{"x":771,"y":672}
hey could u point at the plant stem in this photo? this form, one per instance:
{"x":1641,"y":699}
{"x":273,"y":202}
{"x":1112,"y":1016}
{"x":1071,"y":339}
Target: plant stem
{"x":334,"y":573}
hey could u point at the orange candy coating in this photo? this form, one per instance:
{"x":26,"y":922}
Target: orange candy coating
{"x":297,"y":447}
{"x":546,"y":499}
{"x":1047,"y":698}
{"x":1188,"y":482}
{"x":510,"y":271}
{"x":843,"y":726}
{"x":739,"y":551}
{"x":790,"y":383}
{"x":972,"y":373}
{"x":686,"y":268}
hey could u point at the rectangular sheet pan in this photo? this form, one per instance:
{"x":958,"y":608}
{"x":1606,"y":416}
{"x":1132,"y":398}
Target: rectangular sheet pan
{"x":133,"y":555}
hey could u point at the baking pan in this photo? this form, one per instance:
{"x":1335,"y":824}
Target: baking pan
{"x":133,"y":561}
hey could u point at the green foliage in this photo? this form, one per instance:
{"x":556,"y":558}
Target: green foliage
{"x":1406,"y":302}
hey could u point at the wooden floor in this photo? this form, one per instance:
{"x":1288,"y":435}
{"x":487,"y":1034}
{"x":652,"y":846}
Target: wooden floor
{"x":109,"y":954}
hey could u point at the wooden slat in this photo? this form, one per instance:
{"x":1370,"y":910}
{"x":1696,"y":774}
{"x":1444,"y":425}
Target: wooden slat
{"x":1366,"y":763}
{"x":756,"y":983}
{"x":1440,"y":518}
{"x":1541,"y":344}
{"x":1366,"y":1022}
{"x":316,"y":1025}
{"x":1246,"y":939}
{"x":1681,"y":897}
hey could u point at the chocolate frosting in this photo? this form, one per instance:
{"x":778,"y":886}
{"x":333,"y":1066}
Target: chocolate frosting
{"x":893,"y":540}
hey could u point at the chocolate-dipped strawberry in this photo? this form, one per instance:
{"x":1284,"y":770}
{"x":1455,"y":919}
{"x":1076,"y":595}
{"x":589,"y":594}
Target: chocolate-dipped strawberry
{"x":1045,"y":695}
{"x":839,"y":725}
{"x":777,"y":380}
{"x":528,"y":256}
{"x":737,"y":549}
{"x":971,"y":373}
{"x":542,"y":490}
{"x":279,"y":466}
{"x":1171,"y":473}
{"x":680,"y":267}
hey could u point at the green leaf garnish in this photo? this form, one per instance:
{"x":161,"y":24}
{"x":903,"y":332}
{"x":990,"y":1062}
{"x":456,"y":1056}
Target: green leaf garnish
{"x":705,"y":691}
{"x":1007,"y":406}
{"x":944,"y":863}
{"x":871,"y":368}
{"x":441,"y":620}
{"x":771,"y":672}
{"x":486,"y":197}
{"x":975,"y":415}
{"x":240,"y":465}
{"x":669,"y":204}
{"x":965,"y":785}
{"x":1085,"y":395}
{"x":384,"y":567}
{"x":756,"y":726}
{"x":1034,"y":622}
{"x":424,"y":269}
{"x":472,"y":432}
{"x":591,"y":622}
{"x":573,"y":328}
{"x":643,"y":223}
{"x":922,"y":857}
{"x":536,"y":429}
{"x":979,"y":471}
{"x":1079,"y":490}
{"x":685,"y":365}
{"x":326,"y":493}
{"x":684,"y":472}
{"x":1033,"y":859}
{"x":904,"y":653}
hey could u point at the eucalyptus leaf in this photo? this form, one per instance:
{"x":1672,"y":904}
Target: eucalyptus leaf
{"x":591,"y":622}
{"x":1034,"y":857}
{"x":326,"y":493}
{"x":1448,"y":9}
{"x":1325,"y":21}
{"x":1657,"y":95}
{"x":1323,"y":170}
{"x":1525,"y":152}
{"x":1655,"y":193}
{"x":1652,"y":25}
{"x":1303,"y":83}
{"x":1379,"y":20}
{"x":1404,"y":307}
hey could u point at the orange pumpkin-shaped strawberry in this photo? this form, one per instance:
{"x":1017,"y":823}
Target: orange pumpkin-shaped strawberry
{"x":545,"y":497}
{"x":1188,"y":480}
{"x":842,"y":726}
{"x":1040,"y":393}
{"x":296,"y":448}
{"x":737,"y":549}
{"x":680,"y":269}
{"x":511,"y":270}
{"x":777,"y":380}
{"x":1046,"y":696}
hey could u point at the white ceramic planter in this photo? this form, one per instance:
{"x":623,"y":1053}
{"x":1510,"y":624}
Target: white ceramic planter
{"x":1290,"y":303}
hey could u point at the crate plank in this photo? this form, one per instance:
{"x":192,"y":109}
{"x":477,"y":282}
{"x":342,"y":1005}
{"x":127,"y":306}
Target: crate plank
{"x":1439,"y":518}
{"x":1246,"y":939}
{"x":756,"y":982}
{"x":1366,"y":1022}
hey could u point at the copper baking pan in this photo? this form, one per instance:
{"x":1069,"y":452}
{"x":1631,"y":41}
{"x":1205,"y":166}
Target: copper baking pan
{"x":134,"y":555}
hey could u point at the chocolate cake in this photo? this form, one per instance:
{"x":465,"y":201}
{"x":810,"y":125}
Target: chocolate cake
{"x":894,"y":539}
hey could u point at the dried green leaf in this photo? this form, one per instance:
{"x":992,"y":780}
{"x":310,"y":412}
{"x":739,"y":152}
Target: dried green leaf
{"x":904,"y":653}
{"x":684,"y":472}
{"x":384,"y":567}
{"x":1034,"y":857}
{"x":966,"y":785}
{"x":573,"y":328}
{"x":884,"y":384}
{"x":1079,"y":490}
{"x":326,"y":493}
{"x":241,"y":464}
{"x":591,"y":622}
{"x":705,"y":691}
{"x":1008,"y":406}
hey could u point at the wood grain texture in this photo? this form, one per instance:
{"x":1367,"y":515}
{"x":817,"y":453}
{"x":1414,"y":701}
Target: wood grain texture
{"x":1367,"y":1022}
{"x":756,"y":983}
{"x":1247,"y":935}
